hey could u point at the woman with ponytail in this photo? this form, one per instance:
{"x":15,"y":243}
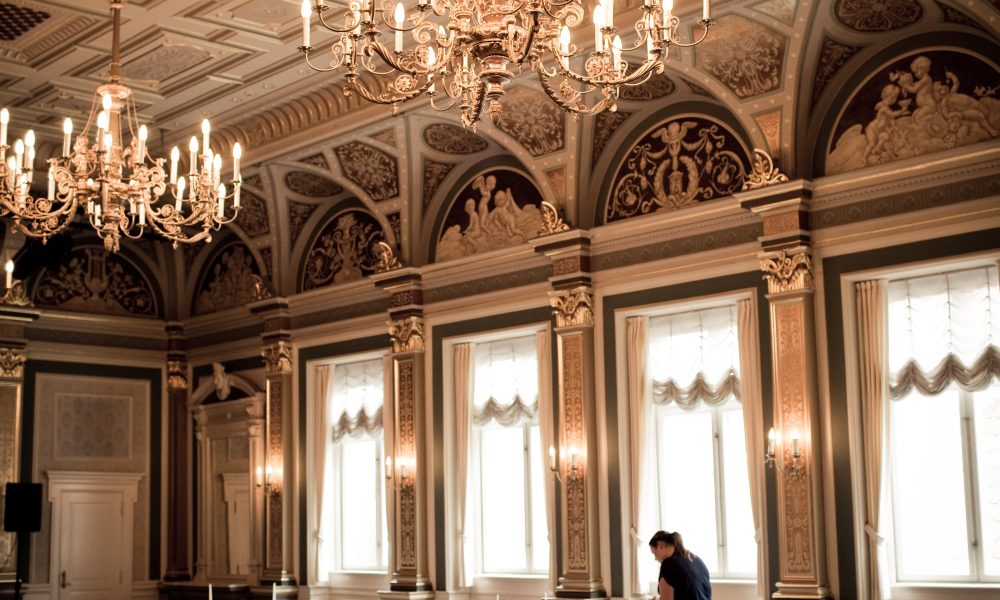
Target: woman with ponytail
{"x":683,"y":576}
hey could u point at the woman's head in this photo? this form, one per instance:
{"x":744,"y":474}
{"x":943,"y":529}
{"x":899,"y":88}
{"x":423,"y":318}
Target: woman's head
{"x":665,"y":544}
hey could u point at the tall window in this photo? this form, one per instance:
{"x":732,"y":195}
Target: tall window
{"x":354,"y":493}
{"x":703,"y":488}
{"x":506,"y":464}
{"x":944,"y":426}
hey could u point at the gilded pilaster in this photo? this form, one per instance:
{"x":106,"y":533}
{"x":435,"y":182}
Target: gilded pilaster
{"x":787,"y":266}
{"x":178,"y":463}
{"x":279,"y":450}
{"x":579,"y":462}
{"x":410,"y":550}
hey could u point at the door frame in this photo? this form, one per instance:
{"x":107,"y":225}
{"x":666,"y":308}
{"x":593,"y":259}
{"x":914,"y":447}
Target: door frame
{"x":125,"y":484}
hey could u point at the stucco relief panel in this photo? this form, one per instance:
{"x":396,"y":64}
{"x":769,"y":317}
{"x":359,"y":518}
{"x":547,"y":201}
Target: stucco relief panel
{"x":452,"y":139}
{"x":298,"y":214}
{"x":311,"y":185}
{"x":745,"y":56}
{"x":343,"y":251}
{"x":832,"y":56}
{"x":434,"y":174}
{"x":373,"y":170}
{"x":921,"y":103}
{"x":91,"y":280}
{"x":252,"y":217}
{"x":230,"y":280}
{"x":884,"y":15}
{"x":535,"y":123}
{"x":605,"y":125}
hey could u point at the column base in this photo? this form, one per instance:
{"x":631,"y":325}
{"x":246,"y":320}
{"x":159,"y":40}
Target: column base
{"x":393,"y":594}
{"x":279,"y":591}
{"x":573,"y":588}
{"x":282,"y":578}
{"x":795,"y":591}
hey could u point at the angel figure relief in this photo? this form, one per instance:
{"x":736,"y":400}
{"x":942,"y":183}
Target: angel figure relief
{"x":671,"y":169}
{"x":495,"y":220}
{"x":916,"y":115}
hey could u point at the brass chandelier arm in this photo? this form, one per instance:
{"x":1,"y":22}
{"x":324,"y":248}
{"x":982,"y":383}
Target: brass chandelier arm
{"x":385,"y":97}
{"x":673,"y":40}
{"x":573,"y":102}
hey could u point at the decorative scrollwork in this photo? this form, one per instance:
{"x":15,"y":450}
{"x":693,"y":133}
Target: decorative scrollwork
{"x":764,"y":172}
{"x":407,"y":334}
{"x":573,"y":307}
{"x":12,"y":364}
{"x":385,"y":258}
{"x":551,"y":221}
{"x":176,"y":375}
{"x":344,"y":251}
{"x":15,"y":295}
{"x":277,"y":358}
{"x":787,"y":273}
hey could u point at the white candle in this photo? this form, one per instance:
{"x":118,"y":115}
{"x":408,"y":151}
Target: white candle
{"x":206,"y":127}
{"x":796,"y":452}
{"x":210,"y":591}
{"x":649,"y":45}
{"x":400,"y":17}
{"x":609,"y":8}
{"x":306,"y":12}
{"x":572,"y":457}
{"x":274,"y":591}
{"x":668,"y":7}
{"x":222,"y":201}
{"x":616,"y":52}
{"x":52,"y":185}
{"x":193,"y":154}
{"x":237,"y":155}
{"x":31,"y":163}
{"x":175,"y":155}
{"x":67,"y":134}
{"x":431,"y":59}
{"x":142,"y":213}
{"x":181,"y":184}
{"x":143,"y":133}
{"x":598,"y":24}
{"x":19,"y":153}
{"x":564,"y":46}
{"x":4,"y":119}
{"x":216,"y":168}
{"x":236,"y":195}
{"x":552,"y":458}
{"x":706,"y":9}
{"x":771,"y":437}
{"x":9,"y":269}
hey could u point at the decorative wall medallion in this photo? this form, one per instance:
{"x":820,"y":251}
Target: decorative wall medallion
{"x":764,"y":172}
{"x":605,"y":125}
{"x":228,"y":280}
{"x":745,"y":56}
{"x":316,"y":160}
{"x":770,"y":126}
{"x":535,"y":123}
{"x":497,"y":210}
{"x":12,"y":364}
{"x":91,"y":280}
{"x":572,"y":308}
{"x":311,"y":185}
{"x":832,"y":56}
{"x":277,"y":358}
{"x":452,"y":139}
{"x":164,"y":62}
{"x":298,"y":214}
{"x":884,"y":15}
{"x":373,"y":170}
{"x":434,"y":174}
{"x":786,"y":273}
{"x":407,"y":334}
{"x":16,"y":21}
{"x":921,"y":103}
{"x":252,"y":217}
{"x":387,"y":137}
{"x":783,"y":10}
{"x":657,"y":86}
{"x":343,"y":251}
{"x":678,"y":164}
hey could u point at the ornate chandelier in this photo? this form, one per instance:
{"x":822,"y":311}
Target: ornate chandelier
{"x":121,"y":187}
{"x":465,"y":50}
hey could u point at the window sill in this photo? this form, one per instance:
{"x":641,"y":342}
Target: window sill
{"x":954,"y":591}
{"x":734,"y":589}
{"x":510,"y":585}
{"x":357,"y":580}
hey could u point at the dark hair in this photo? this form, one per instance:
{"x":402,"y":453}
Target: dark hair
{"x":672,"y":539}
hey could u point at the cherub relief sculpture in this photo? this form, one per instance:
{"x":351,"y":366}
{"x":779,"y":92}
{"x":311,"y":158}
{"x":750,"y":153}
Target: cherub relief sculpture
{"x":916,"y":115}
{"x":489,"y":228}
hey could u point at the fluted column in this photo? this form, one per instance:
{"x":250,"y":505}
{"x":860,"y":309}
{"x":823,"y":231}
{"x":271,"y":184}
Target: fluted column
{"x":178,"y":468}
{"x":279,"y":450}
{"x":579,"y":518}
{"x":787,"y":266}
{"x":407,"y":441}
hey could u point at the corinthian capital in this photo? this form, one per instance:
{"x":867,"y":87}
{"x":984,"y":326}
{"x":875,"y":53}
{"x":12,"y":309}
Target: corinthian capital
{"x":277,"y":358}
{"x":12,"y":364}
{"x":176,"y":375}
{"x":573,"y":307}
{"x":786,"y":273}
{"x":407,"y":334}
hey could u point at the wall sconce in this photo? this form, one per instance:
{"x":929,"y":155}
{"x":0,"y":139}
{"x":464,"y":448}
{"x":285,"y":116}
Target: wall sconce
{"x":388,"y":468}
{"x":269,"y":478}
{"x":554,"y":463}
{"x":796,"y":467}
{"x":13,"y":289}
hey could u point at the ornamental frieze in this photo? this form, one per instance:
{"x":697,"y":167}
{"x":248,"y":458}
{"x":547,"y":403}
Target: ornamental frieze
{"x":452,"y":139}
{"x":311,"y":185}
{"x":229,"y":280}
{"x":370,"y":168}
{"x":90,"y":280}
{"x":678,"y":164}
{"x":346,"y":249}
{"x":252,"y":217}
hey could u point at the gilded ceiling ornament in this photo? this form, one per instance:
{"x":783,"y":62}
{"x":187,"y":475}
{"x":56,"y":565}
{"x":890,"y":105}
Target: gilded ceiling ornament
{"x":744,"y":55}
{"x":311,"y":185}
{"x":551,"y":221}
{"x":536,"y":124}
{"x":832,"y":56}
{"x":12,"y":363}
{"x":253,"y":216}
{"x":407,"y":334}
{"x":657,"y":86}
{"x":277,"y":357}
{"x":452,"y":139}
{"x":372,"y":169}
{"x":786,"y":273}
{"x":176,"y":375}
{"x":15,"y":295}
{"x":230,"y":283}
{"x":434,"y":174}
{"x":884,"y":15}
{"x":89,"y":280}
{"x":386,"y":258}
{"x":764,"y":172}
{"x":572,"y":307}
{"x":344,"y":251}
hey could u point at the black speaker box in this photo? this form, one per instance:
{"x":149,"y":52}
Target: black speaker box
{"x":22,"y":507}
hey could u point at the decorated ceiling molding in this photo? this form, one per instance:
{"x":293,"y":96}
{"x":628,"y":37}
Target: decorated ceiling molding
{"x":374,"y":171}
{"x":452,"y":139}
{"x":230,"y":278}
{"x":922,"y":102}
{"x":344,"y":250}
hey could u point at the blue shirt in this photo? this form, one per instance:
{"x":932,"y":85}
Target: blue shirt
{"x":689,"y":578}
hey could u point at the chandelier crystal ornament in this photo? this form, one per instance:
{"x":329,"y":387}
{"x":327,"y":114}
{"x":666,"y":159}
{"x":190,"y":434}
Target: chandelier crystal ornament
{"x":466,"y":50}
{"x":121,"y":189}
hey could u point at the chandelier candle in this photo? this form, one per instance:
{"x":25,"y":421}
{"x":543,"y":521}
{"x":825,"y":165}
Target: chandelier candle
{"x":306,"y":11}
{"x":67,"y":135}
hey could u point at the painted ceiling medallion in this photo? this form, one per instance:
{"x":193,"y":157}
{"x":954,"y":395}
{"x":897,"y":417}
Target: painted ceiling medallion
{"x":451,"y":139}
{"x":874,"y":16}
{"x":372,"y":169}
{"x":311,"y":185}
{"x":536,"y":124}
{"x":745,"y":56}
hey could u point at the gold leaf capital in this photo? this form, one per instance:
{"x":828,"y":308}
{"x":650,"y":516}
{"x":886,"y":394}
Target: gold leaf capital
{"x":786,"y":273}
{"x":407,"y":334}
{"x":572,"y":307}
{"x":277,"y":358}
{"x":12,"y":363}
{"x":764,"y":172}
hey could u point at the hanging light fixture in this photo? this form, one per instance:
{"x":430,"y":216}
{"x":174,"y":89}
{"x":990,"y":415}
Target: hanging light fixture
{"x":122,"y":189}
{"x":465,"y":50}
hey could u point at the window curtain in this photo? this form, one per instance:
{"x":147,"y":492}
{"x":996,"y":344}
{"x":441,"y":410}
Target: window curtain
{"x":388,"y":441}
{"x":463,"y":382}
{"x":356,"y":408}
{"x":546,"y":425}
{"x":322,"y":564}
{"x":872,"y":353}
{"x":641,"y":434}
{"x":938,"y":336}
{"x":753,"y":423}
{"x":694,"y":357}
{"x":502,"y":393}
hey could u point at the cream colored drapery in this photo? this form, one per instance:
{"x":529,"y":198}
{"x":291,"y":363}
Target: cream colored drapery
{"x":872,"y":357}
{"x":753,"y":424}
{"x":463,"y":381}
{"x":324,"y":379}
{"x":640,"y":424}
{"x":546,"y":423}
{"x":388,"y":444}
